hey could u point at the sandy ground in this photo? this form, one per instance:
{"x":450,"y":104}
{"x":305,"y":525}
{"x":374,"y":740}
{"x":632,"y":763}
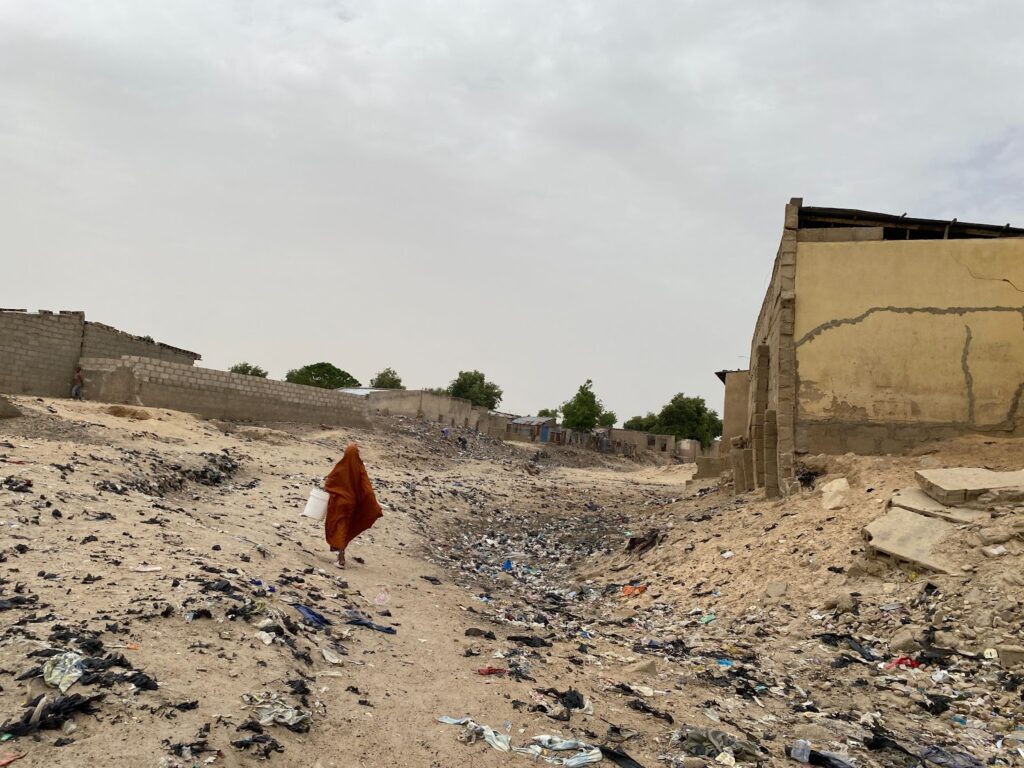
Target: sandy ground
{"x":129,"y":535}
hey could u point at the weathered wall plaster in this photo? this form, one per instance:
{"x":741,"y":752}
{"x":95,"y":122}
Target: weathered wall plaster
{"x":897,"y":341}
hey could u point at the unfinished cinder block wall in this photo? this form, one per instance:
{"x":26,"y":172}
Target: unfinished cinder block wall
{"x":772,"y":382}
{"x":39,"y":350}
{"x":104,"y":341}
{"x":219,"y":394}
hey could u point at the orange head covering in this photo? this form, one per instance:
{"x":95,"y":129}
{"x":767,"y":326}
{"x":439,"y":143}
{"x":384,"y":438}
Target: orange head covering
{"x":353,"y":506}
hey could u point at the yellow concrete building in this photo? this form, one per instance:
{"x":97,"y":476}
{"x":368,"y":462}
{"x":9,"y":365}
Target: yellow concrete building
{"x":880,"y":331}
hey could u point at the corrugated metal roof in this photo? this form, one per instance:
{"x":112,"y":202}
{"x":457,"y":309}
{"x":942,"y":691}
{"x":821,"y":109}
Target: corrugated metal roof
{"x":852,"y":217}
{"x":360,"y":391}
{"x":535,"y":421}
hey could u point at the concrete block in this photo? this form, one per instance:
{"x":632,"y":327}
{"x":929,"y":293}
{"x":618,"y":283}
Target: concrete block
{"x":911,"y":537}
{"x":971,"y":485}
{"x":918,"y":501}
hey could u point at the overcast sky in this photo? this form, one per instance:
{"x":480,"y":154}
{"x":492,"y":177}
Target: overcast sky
{"x":546,"y":191}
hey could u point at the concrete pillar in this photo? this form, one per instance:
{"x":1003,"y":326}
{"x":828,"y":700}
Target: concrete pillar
{"x":771,"y":454}
{"x":748,"y":468}
{"x":757,"y":445}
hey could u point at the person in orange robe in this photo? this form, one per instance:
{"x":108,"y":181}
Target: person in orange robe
{"x":352,"y":507}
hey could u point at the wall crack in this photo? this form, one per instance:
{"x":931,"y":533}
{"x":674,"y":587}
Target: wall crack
{"x":820,"y":329}
{"x":982,"y":277}
{"x":968,"y":377}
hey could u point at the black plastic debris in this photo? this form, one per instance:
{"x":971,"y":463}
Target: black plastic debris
{"x":639,"y":545}
{"x":17,"y":601}
{"x":640,"y":705}
{"x":261,"y":745}
{"x":619,"y":757}
{"x":530,"y":640}
{"x":111,"y":487}
{"x":17,"y":484}
{"x":42,"y":714}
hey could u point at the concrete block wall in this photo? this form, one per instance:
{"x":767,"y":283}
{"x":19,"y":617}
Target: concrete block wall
{"x":39,"y":351}
{"x":218,"y":394}
{"x":429,"y":406}
{"x":103,"y":341}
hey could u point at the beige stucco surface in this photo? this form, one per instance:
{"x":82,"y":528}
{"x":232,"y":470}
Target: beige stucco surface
{"x":734,"y":414}
{"x":927,"y":332}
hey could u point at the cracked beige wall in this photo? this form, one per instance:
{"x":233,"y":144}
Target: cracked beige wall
{"x":898,"y":341}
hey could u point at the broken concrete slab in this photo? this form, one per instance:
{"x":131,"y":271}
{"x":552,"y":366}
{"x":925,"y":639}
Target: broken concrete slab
{"x":971,"y":486}
{"x":7,"y":409}
{"x":908,"y":536}
{"x":918,"y":501}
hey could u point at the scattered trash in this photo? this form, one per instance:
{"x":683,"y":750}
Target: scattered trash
{"x":642,"y":706}
{"x":703,"y":742}
{"x":330,"y":656}
{"x":359,"y":619}
{"x":492,"y":671}
{"x":472,"y":732}
{"x":630,"y":589}
{"x":271,"y":709}
{"x":619,"y":757}
{"x":17,"y":484}
{"x":311,"y":617}
{"x":382,"y":597}
{"x":63,"y":671}
{"x":43,"y":714}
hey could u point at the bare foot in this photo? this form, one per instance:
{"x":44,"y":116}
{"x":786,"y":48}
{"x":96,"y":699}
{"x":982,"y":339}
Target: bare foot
{"x":341,"y":560}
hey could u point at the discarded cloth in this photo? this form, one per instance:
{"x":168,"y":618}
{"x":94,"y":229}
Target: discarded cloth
{"x":270,"y":709}
{"x":352,"y":506}
{"x":359,"y":619}
{"x":64,"y":670}
{"x":948,"y":759}
{"x":318,"y":620}
{"x":543,"y":745}
{"x":473,"y":731}
{"x":489,"y":671}
{"x":704,"y":742}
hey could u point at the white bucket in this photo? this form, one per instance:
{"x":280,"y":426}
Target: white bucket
{"x":316,"y":507}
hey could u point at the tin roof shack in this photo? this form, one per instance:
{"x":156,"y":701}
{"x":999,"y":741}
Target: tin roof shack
{"x":535,"y":429}
{"x":880,"y":331}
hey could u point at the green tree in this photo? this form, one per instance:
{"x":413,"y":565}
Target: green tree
{"x":547,"y":413}
{"x":248,"y":369}
{"x":387,"y":379}
{"x":641,"y":423}
{"x":689,"y":418}
{"x":585,"y":411}
{"x":473,"y":386}
{"x":323,"y":375}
